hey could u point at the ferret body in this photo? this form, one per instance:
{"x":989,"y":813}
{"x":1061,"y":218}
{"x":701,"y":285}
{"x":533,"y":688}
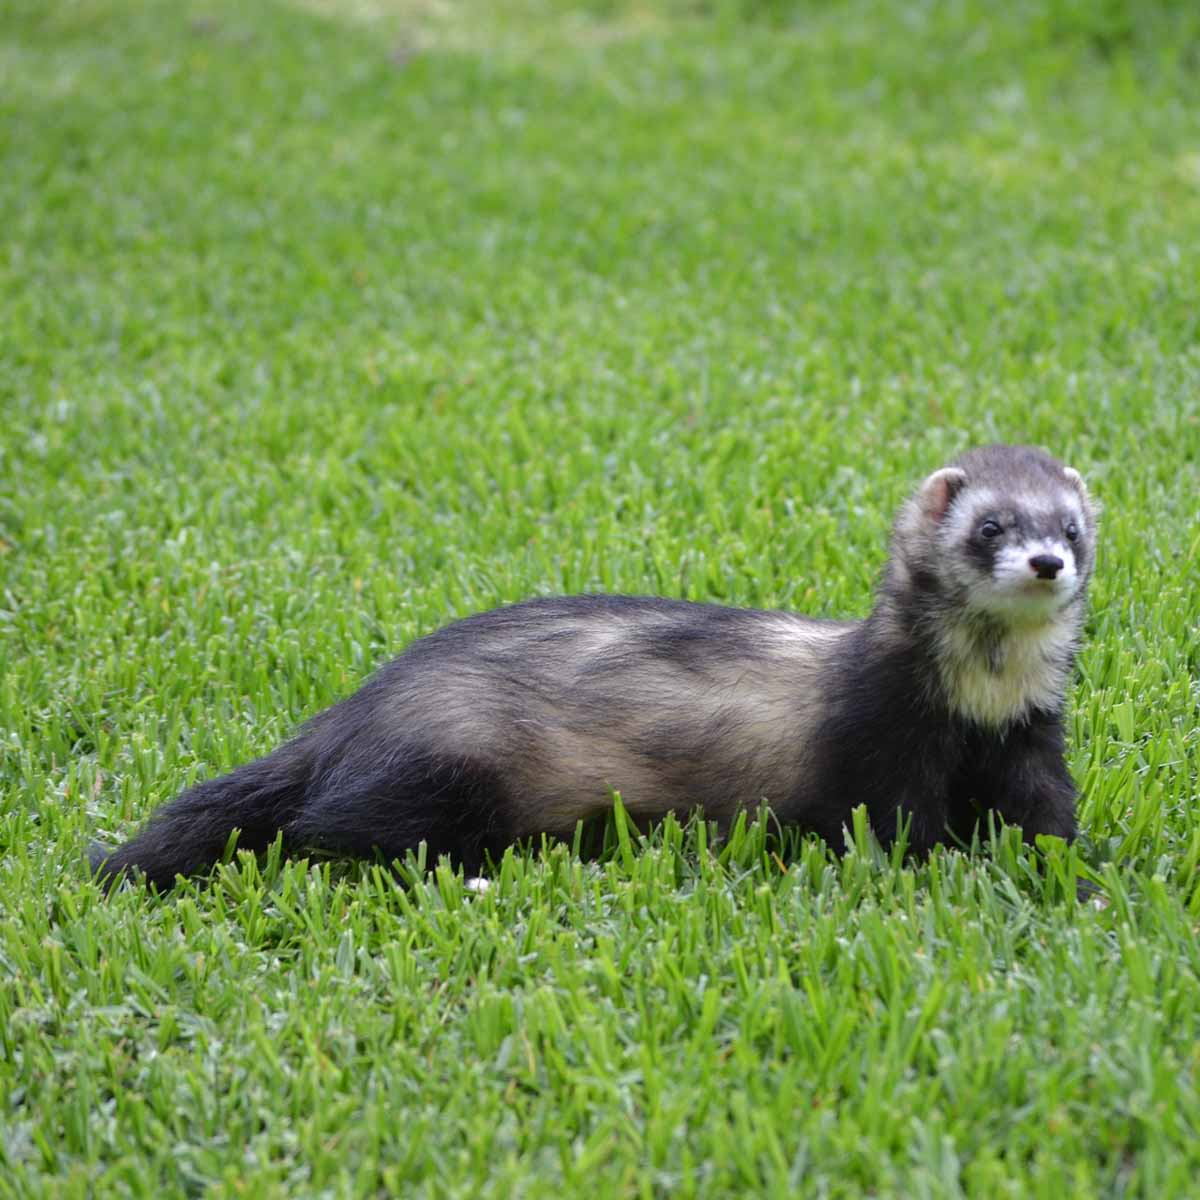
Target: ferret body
{"x":942,"y":704}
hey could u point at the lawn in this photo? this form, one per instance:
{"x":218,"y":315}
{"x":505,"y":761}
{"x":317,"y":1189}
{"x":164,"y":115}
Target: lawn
{"x":324,"y":323}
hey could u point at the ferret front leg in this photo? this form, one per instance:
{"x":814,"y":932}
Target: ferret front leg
{"x":1024,"y":778}
{"x":1045,"y":806}
{"x":923,"y":813}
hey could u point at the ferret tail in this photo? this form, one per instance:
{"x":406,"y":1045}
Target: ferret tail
{"x":191,"y":832}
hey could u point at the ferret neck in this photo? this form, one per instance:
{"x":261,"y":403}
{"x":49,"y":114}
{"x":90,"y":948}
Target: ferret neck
{"x":994,"y":674}
{"x":980,"y":669}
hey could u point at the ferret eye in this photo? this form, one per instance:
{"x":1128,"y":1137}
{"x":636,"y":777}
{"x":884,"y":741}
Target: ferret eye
{"x":990,"y":529}
{"x":1072,"y":532}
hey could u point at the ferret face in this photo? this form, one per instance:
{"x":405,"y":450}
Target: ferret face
{"x":1018,"y":557}
{"x":1005,"y":531}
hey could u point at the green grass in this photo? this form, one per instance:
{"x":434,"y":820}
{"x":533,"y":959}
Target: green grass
{"x":325,"y":323}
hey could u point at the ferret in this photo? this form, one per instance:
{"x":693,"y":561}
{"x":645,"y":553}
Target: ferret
{"x":944,"y":703}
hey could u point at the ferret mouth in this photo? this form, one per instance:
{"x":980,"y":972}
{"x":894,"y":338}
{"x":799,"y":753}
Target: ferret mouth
{"x":1024,"y":600}
{"x":1036,"y":591}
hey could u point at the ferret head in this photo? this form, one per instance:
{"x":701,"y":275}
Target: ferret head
{"x":1004,"y":532}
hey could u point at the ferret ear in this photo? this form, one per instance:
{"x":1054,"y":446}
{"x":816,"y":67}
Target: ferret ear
{"x":1076,"y":481}
{"x":938,"y":491}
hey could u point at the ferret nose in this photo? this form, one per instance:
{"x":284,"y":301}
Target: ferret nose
{"x":1047,"y":566}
